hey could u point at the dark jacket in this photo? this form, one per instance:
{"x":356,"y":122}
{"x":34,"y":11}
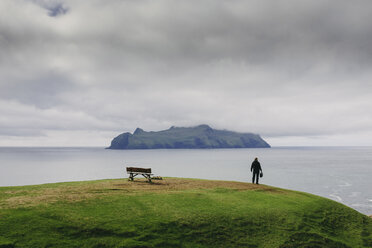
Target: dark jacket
{"x":256,"y":167}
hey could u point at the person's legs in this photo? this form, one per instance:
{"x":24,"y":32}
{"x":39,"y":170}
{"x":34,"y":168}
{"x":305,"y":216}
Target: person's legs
{"x":257,"y":176}
{"x":253,"y":176}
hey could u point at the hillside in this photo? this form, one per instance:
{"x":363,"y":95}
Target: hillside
{"x":175,"y":213}
{"x":201,"y":136}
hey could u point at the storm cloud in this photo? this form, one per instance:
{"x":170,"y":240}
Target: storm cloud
{"x":79,"y":72}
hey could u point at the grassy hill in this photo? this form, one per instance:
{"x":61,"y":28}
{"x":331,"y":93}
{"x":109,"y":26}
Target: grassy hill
{"x":175,"y":213}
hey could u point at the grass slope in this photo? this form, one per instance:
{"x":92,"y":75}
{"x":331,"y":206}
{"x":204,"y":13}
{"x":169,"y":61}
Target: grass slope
{"x":175,"y":213}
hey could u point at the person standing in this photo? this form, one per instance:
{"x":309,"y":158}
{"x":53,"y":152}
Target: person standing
{"x":256,"y":169}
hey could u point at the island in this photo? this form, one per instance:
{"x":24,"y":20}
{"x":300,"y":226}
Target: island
{"x":198,"y":137}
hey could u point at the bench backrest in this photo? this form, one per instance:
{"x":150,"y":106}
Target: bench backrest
{"x":136,"y":169}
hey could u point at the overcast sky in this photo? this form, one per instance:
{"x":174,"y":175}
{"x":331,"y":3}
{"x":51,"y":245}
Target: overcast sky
{"x":78,"y":73}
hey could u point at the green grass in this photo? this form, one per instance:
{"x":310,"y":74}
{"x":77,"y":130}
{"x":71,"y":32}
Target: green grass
{"x":175,"y":213}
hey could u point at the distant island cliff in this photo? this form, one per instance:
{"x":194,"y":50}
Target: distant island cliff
{"x":198,"y":137}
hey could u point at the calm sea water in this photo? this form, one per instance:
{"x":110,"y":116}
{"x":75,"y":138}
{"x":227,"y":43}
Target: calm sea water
{"x":342,"y":174}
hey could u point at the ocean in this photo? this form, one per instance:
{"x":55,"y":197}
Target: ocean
{"x":343,"y":174}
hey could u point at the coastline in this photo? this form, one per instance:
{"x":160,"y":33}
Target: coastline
{"x":291,"y":168}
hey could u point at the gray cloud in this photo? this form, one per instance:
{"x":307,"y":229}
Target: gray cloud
{"x":279,"y":68}
{"x":53,"y":7}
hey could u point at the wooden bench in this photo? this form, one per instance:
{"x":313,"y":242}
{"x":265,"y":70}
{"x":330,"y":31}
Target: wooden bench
{"x":135,"y":171}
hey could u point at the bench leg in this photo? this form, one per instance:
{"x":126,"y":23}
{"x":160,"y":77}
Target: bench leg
{"x":148,"y":177}
{"x":132,"y":176}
